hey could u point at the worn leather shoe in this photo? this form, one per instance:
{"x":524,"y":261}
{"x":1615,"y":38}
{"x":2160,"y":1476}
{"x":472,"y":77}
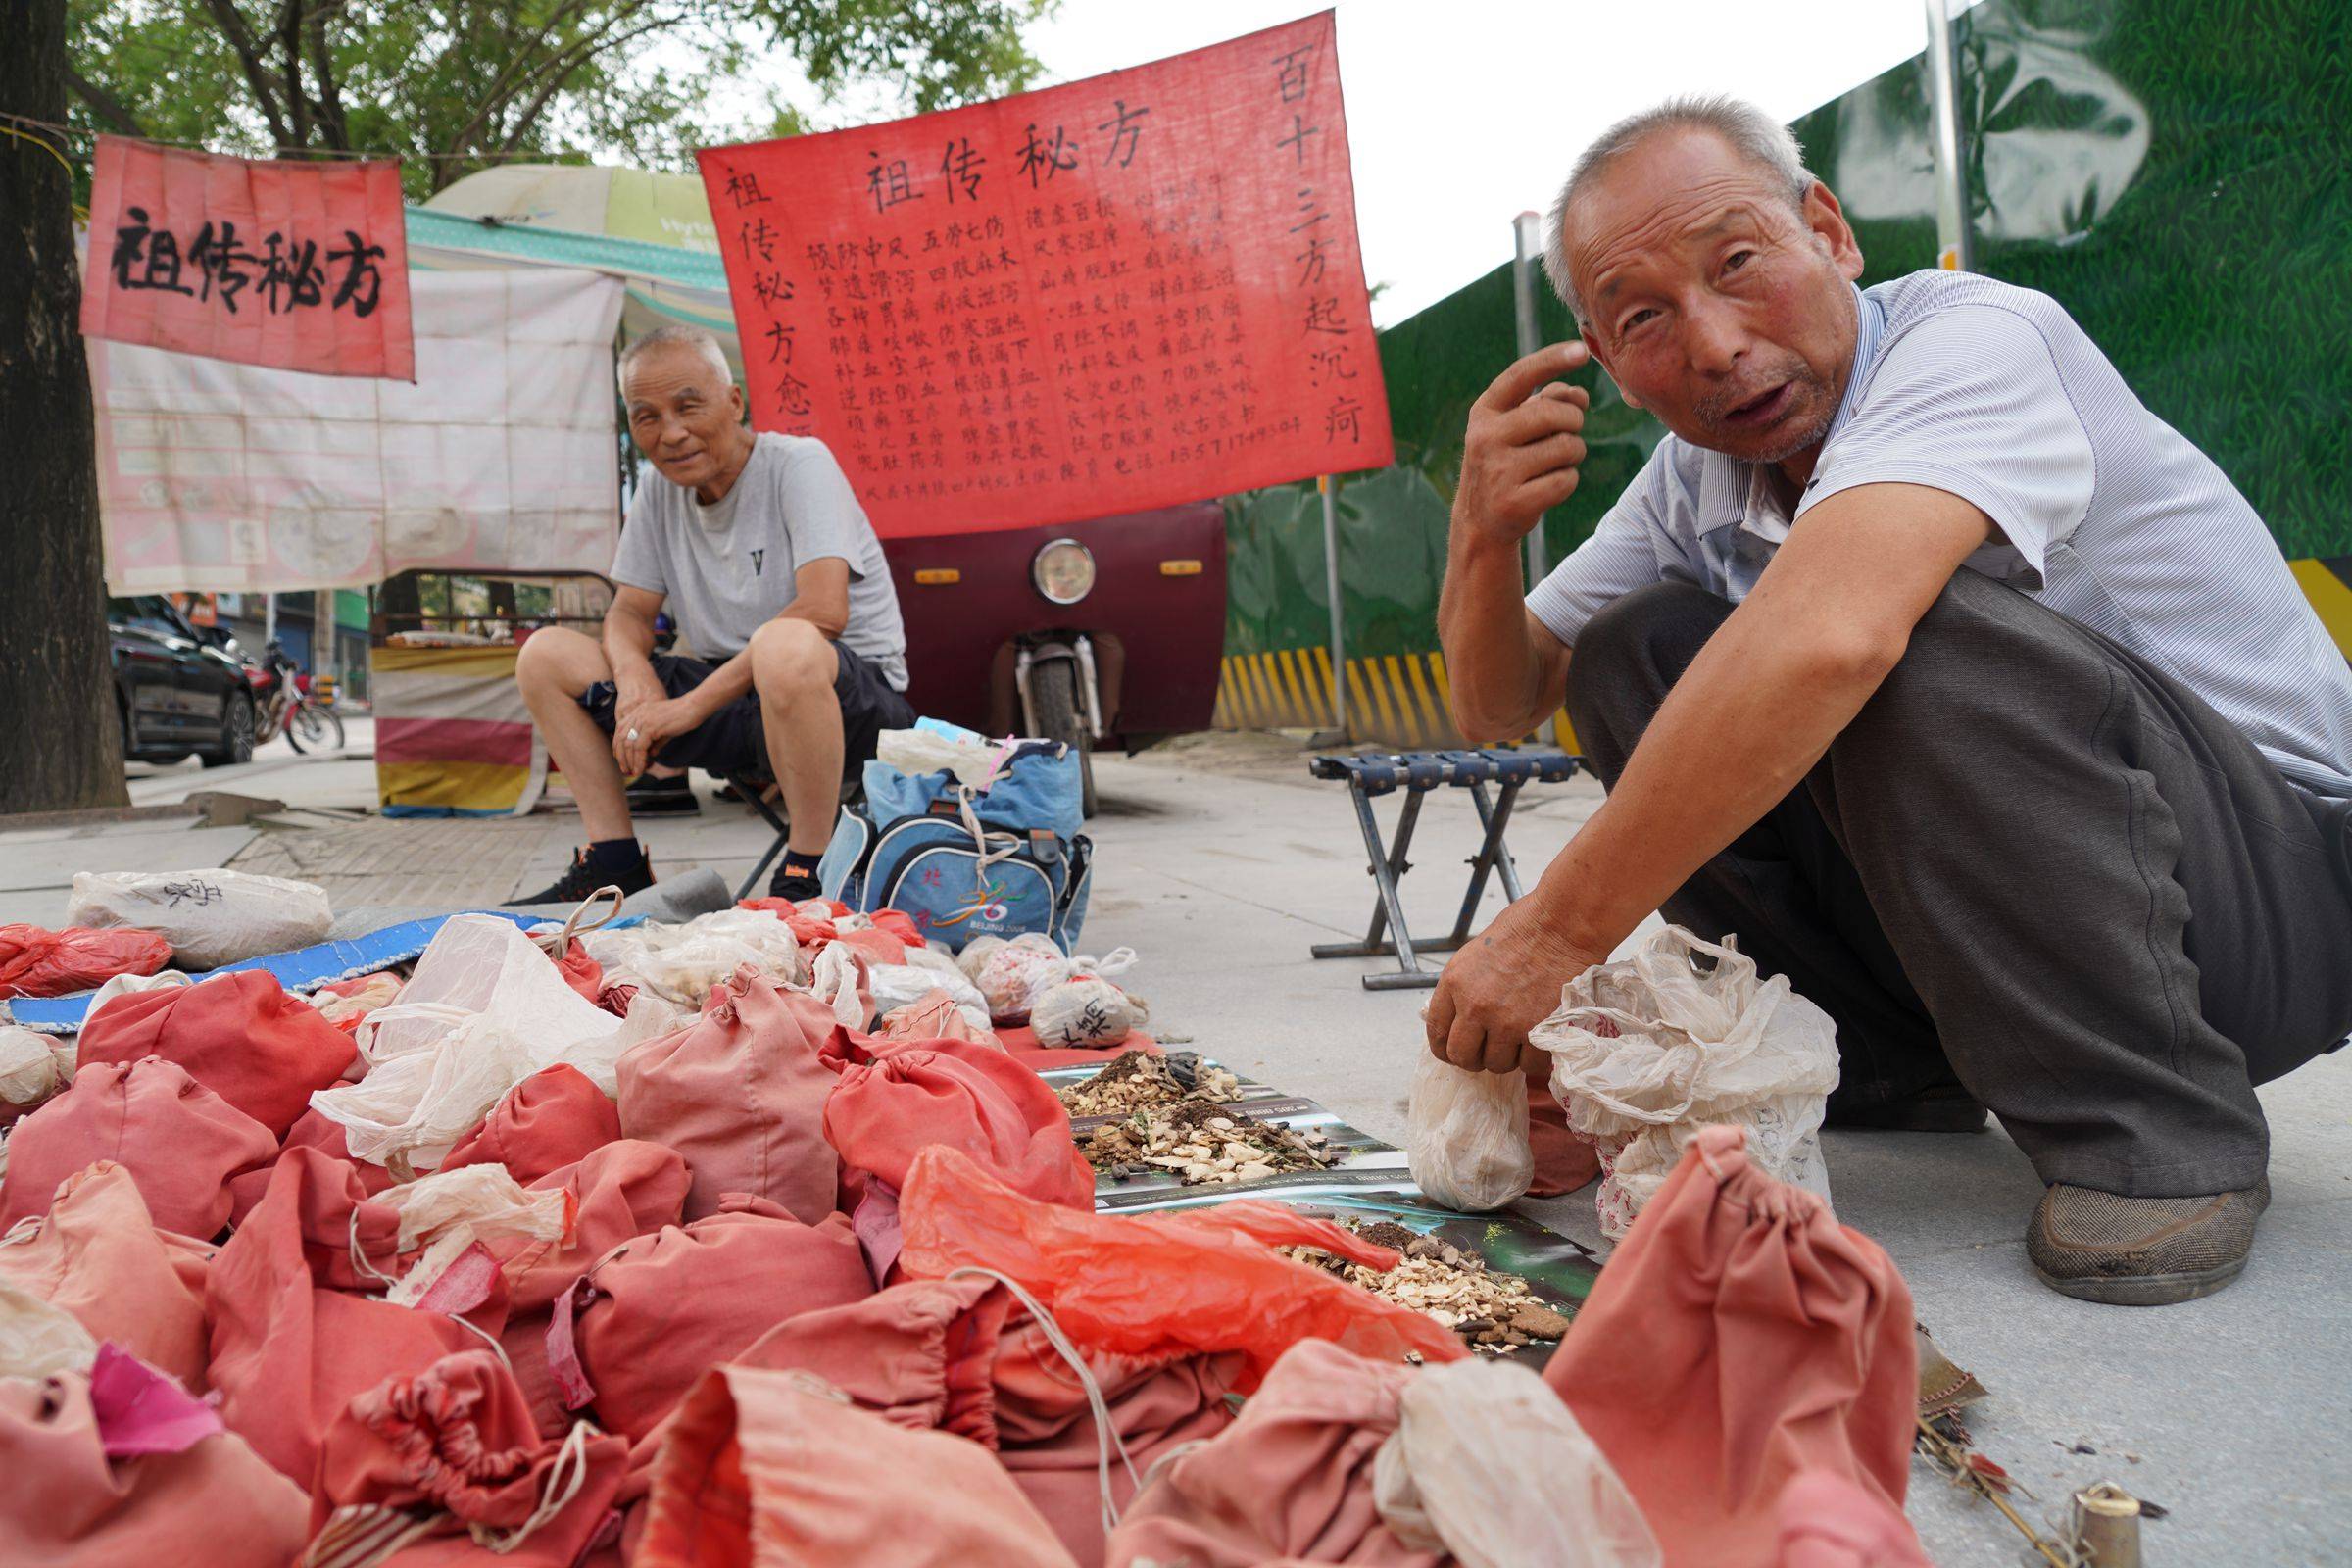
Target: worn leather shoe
{"x":2141,"y":1251}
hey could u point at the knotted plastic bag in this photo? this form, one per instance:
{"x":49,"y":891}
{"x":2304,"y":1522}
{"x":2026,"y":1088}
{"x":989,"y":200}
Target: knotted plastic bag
{"x":1466,"y":1136}
{"x":681,"y":962}
{"x":1084,"y":1011}
{"x":37,"y":963}
{"x":1012,"y":976}
{"x":1490,"y":1467}
{"x":31,"y":1072}
{"x":211,"y":917}
{"x":483,"y":1012}
{"x":1647,"y":1050}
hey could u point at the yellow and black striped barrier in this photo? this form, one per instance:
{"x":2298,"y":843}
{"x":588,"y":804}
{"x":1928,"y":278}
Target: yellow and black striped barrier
{"x":1401,"y":699}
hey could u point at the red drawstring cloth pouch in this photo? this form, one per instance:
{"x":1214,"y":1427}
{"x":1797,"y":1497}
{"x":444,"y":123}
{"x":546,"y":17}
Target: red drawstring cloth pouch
{"x":621,"y":1190}
{"x":554,"y":1118}
{"x":741,"y":1093}
{"x":179,"y":1141}
{"x":239,"y":1033}
{"x":636,"y":1331}
{"x":294,"y":1338}
{"x":35,"y":962}
{"x":69,"y":1505}
{"x":775,"y":1467}
{"x":1292,"y":1478}
{"x":970,"y":1098}
{"x":311,"y":1130}
{"x":98,"y":1255}
{"x":1739,"y":1337}
{"x":451,"y":1450}
{"x":1154,"y":1287}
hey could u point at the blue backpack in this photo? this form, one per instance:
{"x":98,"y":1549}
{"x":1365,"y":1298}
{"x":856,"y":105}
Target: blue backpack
{"x":964,"y":863}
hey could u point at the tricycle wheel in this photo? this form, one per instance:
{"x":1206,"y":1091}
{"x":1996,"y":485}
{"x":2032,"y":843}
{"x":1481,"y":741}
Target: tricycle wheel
{"x":1053,"y":688}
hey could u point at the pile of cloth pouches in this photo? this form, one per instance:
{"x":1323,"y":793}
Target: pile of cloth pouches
{"x":653,"y":1246}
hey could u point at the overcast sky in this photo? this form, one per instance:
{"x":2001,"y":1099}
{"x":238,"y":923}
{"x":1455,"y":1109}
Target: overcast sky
{"x":1463,"y":113}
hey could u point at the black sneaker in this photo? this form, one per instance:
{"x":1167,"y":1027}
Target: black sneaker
{"x":648,"y":796}
{"x":581,"y":880}
{"x":797,"y":888}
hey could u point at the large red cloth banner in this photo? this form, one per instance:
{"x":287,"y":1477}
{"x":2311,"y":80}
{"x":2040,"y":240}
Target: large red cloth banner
{"x":299,"y":265}
{"x":1136,"y":290}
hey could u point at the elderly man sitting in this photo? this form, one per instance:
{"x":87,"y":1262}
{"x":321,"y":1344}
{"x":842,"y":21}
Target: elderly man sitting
{"x":774,"y":577}
{"x":1929,"y":661}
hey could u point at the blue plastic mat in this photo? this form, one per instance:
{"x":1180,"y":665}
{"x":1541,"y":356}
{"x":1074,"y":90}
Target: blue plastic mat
{"x":299,"y":969}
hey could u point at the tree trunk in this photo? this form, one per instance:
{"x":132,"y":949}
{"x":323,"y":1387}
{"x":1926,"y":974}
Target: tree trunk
{"x":60,"y":736}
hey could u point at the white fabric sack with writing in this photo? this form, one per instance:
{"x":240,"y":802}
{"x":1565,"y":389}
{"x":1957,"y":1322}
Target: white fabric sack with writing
{"x":1684,"y":1035}
{"x":209,"y":918}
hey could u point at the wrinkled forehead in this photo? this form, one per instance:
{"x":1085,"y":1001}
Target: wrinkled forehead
{"x":1659,"y":201}
{"x":670,"y":373}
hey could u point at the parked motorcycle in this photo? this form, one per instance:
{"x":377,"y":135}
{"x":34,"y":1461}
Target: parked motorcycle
{"x":289,"y":703}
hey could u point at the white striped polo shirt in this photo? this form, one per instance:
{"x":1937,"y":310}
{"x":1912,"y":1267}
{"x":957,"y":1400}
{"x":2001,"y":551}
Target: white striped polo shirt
{"x":2106,"y":513}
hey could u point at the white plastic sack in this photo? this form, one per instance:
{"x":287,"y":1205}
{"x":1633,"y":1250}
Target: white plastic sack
{"x":1488,"y":1465}
{"x":39,"y":1339}
{"x":900,"y":985}
{"x":1465,"y":1136}
{"x":485,"y":1010}
{"x":914,"y":752}
{"x":484,"y":1201}
{"x":209,"y":918}
{"x":1646,"y":1051}
{"x":681,"y":962}
{"x":976,"y":953}
{"x":31,"y":1069}
{"x":836,"y":982}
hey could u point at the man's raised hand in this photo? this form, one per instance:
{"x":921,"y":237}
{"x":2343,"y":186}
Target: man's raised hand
{"x":1525,"y":441}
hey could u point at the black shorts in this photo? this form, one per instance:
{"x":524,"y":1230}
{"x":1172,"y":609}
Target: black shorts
{"x":734,"y":742}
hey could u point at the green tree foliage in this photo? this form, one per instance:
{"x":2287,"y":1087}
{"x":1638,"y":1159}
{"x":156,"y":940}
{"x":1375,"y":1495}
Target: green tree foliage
{"x":455,"y":85}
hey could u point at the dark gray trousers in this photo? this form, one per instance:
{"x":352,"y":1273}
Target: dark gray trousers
{"x":2037,"y":864}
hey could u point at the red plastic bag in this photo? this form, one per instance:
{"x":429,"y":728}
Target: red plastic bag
{"x":643,"y":1324}
{"x":554,"y":1118}
{"x":181,"y":1143}
{"x":1291,"y":1479}
{"x":778,"y":1458}
{"x":37,"y":963}
{"x":239,"y":1033}
{"x":293,"y":1341}
{"x":457,"y":1440}
{"x":970,"y":1098}
{"x":740,"y":1093}
{"x":1159,"y":1286}
{"x":1739,"y":1337}
{"x":67,"y":1505}
{"x":99,"y":1255}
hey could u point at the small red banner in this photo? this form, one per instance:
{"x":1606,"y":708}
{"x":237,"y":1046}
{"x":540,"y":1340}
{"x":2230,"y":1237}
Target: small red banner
{"x":1139,"y":289}
{"x":299,"y":265}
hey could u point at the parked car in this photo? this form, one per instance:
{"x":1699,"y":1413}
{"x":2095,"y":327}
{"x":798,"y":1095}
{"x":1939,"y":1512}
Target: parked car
{"x":174,"y":691}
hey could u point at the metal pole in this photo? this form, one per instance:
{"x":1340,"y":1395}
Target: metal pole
{"x":1329,"y":485}
{"x":1955,"y":245}
{"x":1526,"y":244}
{"x":269,"y":617}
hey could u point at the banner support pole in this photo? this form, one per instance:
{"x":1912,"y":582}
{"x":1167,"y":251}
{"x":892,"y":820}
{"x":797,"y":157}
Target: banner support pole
{"x":1329,"y":485}
{"x":1527,"y":245}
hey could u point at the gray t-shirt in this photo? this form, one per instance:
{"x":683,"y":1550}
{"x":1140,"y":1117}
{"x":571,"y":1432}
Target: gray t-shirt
{"x":2106,"y":513}
{"x":726,"y":569}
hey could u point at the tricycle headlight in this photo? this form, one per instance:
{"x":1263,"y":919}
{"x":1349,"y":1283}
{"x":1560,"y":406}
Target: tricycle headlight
{"x":1063,"y":571}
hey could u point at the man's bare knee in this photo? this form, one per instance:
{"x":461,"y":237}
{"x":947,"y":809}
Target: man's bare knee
{"x":561,"y":660}
{"x":791,"y":658}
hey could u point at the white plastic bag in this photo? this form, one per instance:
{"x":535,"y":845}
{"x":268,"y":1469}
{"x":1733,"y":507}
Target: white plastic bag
{"x":131,"y":985}
{"x":1489,"y":1466}
{"x":681,"y":962}
{"x":1086,"y":1009}
{"x":1646,"y":1051}
{"x":900,"y":985}
{"x":485,"y":1010}
{"x":484,"y":1201}
{"x":1011,"y":977}
{"x":976,"y":953}
{"x":31,"y":1069}
{"x":914,"y":752}
{"x":1466,"y":1136}
{"x":836,"y":982}
{"x":209,"y":918}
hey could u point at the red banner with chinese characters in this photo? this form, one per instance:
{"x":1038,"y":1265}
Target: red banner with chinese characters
{"x":299,"y":265}
{"x":1136,"y":290}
